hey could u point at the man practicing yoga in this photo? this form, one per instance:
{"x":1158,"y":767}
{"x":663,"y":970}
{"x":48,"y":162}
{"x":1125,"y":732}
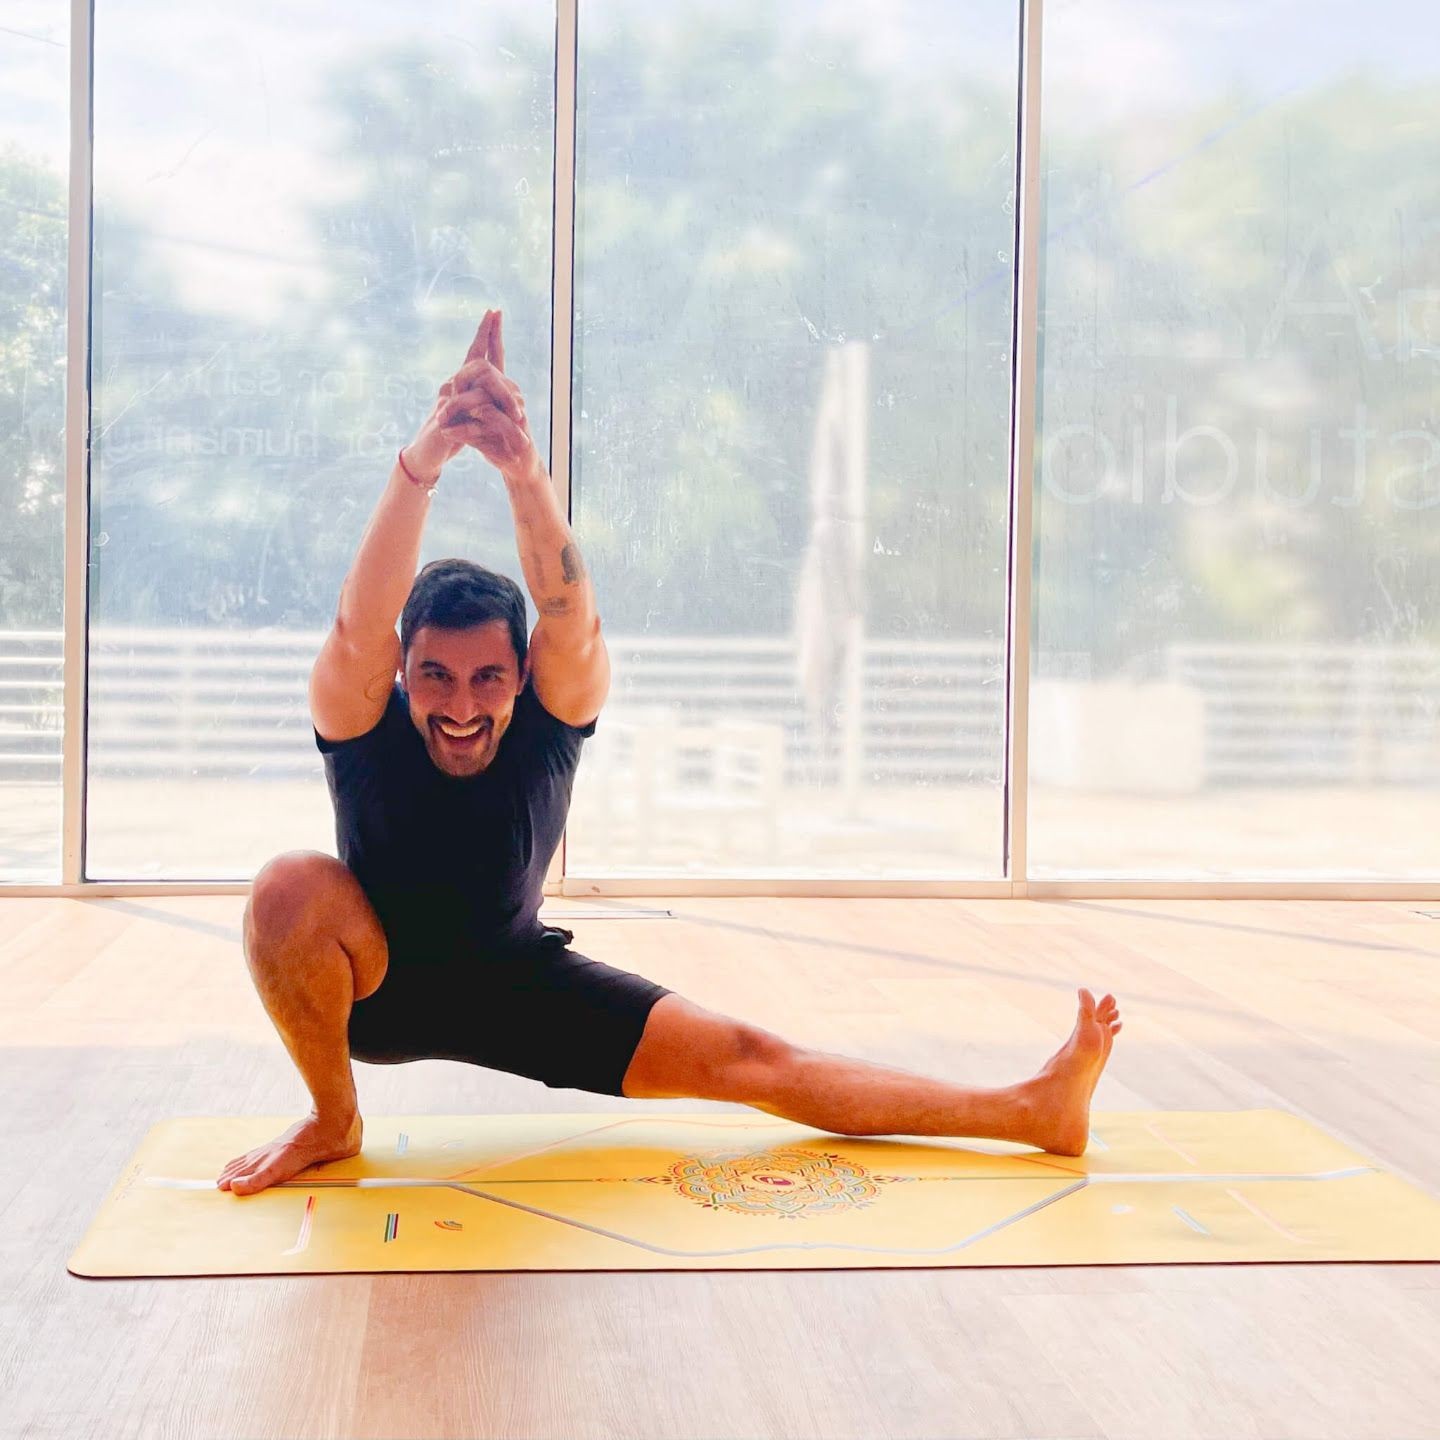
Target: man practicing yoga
{"x":451,"y":787}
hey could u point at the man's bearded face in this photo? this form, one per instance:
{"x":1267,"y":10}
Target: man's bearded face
{"x":462,"y":687}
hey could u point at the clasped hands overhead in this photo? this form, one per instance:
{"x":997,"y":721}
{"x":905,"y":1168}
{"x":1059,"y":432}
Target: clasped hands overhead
{"x":482,"y":407}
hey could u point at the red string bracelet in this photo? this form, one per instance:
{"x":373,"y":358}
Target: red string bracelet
{"x":428,"y":486}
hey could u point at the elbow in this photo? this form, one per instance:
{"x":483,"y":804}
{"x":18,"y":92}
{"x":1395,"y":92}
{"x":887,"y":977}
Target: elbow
{"x":574,"y":623}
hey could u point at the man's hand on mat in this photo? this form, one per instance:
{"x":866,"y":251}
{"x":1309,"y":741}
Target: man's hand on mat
{"x":307,"y":1142}
{"x":482,"y":407}
{"x":1060,"y":1093}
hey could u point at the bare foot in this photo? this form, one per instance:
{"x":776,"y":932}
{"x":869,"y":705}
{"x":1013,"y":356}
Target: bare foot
{"x":310,"y":1141}
{"x":1060,"y":1093}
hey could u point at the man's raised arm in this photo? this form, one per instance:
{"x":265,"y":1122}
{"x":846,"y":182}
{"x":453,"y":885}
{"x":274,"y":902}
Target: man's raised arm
{"x":570,"y":667}
{"x":381,"y":574}
{"x":554,"y":570}
{"x":355,"y":670}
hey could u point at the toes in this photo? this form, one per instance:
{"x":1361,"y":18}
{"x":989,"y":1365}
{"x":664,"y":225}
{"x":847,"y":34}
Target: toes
{"x":1104,"y":1009}
{"x":259,"y":1179}
{"x":240,"y":1173}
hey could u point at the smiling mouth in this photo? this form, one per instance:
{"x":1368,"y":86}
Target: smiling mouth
{"x":462,"y":734}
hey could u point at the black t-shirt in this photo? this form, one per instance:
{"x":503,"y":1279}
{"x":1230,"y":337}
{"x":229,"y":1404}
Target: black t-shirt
{"x":453,"y":866}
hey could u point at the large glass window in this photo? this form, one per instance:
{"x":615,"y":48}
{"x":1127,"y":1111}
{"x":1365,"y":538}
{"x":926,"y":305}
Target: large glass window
{"x":790,"y":404}
{"x":1237,"y":650}
{"x":791,"y":408}
{"x":34,"y":241}
{"x":300,"y":218}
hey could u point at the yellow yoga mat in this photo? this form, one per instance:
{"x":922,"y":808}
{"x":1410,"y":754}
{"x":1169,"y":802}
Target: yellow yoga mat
{"x":650,"y":1191}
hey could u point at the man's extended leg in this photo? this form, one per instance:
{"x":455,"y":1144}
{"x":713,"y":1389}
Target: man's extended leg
{"x":689,"y":1051}
{"x":314,"y":947}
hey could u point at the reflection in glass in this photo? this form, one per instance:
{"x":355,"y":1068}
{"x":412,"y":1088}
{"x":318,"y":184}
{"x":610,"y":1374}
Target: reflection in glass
{"x":34,"y":247}
{"x":1236,"y":667}
{"x":298,"y":226}
{"x":791,"y":401}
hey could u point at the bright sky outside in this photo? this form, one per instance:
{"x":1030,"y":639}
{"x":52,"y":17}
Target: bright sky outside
{"x":227,"y":164}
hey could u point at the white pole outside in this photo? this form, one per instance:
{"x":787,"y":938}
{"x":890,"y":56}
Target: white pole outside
{"x":854,"y":389}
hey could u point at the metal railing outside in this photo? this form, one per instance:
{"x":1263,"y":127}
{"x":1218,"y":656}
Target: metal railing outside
{"x":233,"y":703}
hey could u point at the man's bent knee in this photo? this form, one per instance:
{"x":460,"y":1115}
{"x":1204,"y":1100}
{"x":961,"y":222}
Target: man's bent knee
{"x":289,"y":895}
{"x":304,"y":895}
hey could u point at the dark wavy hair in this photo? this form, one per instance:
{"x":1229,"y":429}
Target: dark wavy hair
{"x":456,"y":594}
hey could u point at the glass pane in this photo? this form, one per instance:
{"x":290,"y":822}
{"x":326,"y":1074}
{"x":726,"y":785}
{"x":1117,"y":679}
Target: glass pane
{"x":1237,"y":657}
{"x":298,"y":225}
{"x":791,"y":401}
{"x":34,"y":247}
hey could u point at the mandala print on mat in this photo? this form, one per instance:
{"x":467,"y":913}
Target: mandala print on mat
{"x":786,"y":1183}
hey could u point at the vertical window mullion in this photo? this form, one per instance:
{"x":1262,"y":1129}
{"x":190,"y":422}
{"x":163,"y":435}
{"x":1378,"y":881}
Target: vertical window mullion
{"x":77,"y":449}
{"x":562,"y":290}
{"x":1024,"y":357}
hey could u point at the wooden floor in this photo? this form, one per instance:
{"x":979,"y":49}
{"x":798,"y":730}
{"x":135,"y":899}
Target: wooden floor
{"x":117,"y":1014}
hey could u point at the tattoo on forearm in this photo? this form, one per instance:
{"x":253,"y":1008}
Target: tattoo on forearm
{"x":571,"y":565}
{"x":556,"y":607}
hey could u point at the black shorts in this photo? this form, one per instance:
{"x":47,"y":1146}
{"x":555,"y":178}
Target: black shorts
{"x":545,"y":1012}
